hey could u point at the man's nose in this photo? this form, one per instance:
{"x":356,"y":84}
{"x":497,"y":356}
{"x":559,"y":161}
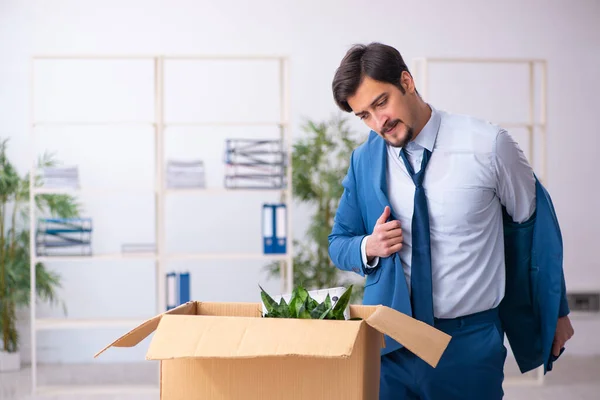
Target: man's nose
{"x":381,"y":121}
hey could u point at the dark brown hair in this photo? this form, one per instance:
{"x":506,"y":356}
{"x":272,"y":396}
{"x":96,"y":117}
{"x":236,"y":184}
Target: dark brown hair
{"x":377,"y":61}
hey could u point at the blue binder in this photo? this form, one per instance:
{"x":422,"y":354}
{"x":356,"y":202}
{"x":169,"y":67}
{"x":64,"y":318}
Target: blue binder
{"x":178,"y":289}
{"x":274,"y":228}
{"x":184,"y":287}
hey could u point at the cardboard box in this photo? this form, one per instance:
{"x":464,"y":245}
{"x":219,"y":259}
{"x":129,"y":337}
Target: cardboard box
{"x":228,"y":351}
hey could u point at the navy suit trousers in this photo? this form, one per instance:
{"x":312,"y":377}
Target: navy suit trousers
{"x":472,"y":366}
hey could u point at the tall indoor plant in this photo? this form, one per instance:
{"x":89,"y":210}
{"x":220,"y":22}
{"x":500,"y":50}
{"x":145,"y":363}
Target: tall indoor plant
{"x":320,"y":160}
{"x":14,"y":245}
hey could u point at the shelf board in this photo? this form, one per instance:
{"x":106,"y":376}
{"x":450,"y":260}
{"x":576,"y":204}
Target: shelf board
{"x":215,"y":191}
{"x":94,"y":257}
{"x":226,"y":256}
{"x":57,"y":390}
{"x":96,"y":190}
{"x":224,"y":123}
{"x":480,"y":60}
{"x":128,"y":57}
{"x":181,"y":190}
{"x":93,"y":123}
{"x":172,"y":256}
{"x":43,"y":324}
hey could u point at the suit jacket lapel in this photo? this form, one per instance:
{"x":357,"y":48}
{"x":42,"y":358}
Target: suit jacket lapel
{"x":378,"y":162}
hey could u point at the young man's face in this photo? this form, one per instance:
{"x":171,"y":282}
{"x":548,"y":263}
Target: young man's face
{"x":385,"y":110}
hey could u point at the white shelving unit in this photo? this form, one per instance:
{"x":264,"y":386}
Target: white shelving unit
{"x":420,"y":70}
{"x":161,"y":257}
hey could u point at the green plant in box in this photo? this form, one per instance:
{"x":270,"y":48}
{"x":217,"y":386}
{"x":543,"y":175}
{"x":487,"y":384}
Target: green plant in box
{"x":302,"y":306}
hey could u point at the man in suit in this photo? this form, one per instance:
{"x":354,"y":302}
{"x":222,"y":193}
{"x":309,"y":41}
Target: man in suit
{"x":421,"y":217}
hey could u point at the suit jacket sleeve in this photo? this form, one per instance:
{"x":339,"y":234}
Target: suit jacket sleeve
{"x":348,"y":229}
{"x":563,"y":309}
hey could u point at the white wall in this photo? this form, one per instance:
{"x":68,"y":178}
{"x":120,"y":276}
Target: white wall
{"x":315,"y":34}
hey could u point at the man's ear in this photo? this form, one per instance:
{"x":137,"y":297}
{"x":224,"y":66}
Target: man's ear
{"x":407,"y":82}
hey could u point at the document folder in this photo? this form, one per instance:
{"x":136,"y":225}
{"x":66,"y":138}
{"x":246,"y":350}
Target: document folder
{"x":171,"y":290}
{"x":184,"y":287}
{"x":274,"y":228}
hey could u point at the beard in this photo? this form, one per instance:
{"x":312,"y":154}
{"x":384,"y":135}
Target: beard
{"x":398,"y":141}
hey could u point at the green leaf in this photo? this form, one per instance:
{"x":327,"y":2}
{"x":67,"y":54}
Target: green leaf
{"x":270,"y":304}
{"x":322,"y":309}
{"x":328,"y":301}
{"x":325,"y":314}
{"x":303,"y":313}
{"x":298,"y":301}
{"x":312,"y":304}
{"x":342,"y":303}
{"x":283,"y":309}
{"x":295,"y":304}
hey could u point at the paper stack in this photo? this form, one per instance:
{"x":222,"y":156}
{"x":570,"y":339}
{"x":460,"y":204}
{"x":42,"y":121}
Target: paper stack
{"x":61,"y":177}
{"x":185,"y":174}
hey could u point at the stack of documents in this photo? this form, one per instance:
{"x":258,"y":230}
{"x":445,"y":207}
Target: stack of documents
{"x":64,"y":237}
{"x":185,"y":174}
{"x":61,"y":177}
{"x":138,"y":248}
{"x":254,"y":164}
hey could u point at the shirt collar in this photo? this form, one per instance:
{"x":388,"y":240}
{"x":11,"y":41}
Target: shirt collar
{"x":426,"y":138}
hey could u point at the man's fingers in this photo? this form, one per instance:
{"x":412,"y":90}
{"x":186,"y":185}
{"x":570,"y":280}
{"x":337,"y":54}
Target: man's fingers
{"x":556,"y":346}
{"x":395,"y":241}
{"x":395,"y":248}
{"x":388,"y":226}
{"x":391,"y":234}
{"x":384,"y":216}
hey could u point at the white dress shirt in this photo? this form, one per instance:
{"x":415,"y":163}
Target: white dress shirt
{"x":475,"y":167}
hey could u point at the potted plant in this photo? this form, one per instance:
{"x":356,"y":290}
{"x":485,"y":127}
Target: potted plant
{"x":15,"y":250}
{"x":302,"y":306}
{"x":320,"y":160}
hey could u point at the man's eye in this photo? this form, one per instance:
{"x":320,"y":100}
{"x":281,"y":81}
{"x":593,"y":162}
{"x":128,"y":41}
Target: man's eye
{"x":382,"y":103}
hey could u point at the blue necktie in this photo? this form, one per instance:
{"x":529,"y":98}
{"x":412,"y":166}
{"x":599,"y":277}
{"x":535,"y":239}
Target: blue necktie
{"x":420,"y":277}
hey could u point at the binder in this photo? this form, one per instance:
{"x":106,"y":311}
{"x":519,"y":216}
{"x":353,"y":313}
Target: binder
{"x":184,"y":287}
{"x":268,"y":245}
{"x":280,"y":229}
{"x":178,"y":289}
{"x":274,"y":228}
{"x":171,"y":290}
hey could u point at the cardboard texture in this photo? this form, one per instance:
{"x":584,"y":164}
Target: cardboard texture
{"x":228,"y":351}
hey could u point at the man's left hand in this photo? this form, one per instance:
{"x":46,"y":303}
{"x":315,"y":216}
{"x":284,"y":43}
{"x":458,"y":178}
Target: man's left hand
{"x":564,"y":332}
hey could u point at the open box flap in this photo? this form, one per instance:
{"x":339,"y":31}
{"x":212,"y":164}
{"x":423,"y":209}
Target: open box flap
{"x":139,"y":333}
{"x":427,"y":342}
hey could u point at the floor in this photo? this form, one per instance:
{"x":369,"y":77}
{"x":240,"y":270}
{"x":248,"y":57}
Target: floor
{"x":573,"y":378}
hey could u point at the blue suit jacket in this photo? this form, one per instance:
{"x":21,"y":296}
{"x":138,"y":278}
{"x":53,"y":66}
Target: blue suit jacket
{"x":535,"y":288}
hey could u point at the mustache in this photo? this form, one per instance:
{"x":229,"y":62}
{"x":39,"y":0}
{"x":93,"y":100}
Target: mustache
{"x":390,"y":125}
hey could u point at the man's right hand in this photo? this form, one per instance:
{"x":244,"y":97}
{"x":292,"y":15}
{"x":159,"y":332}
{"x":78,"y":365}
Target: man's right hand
{"x":386,"y":238}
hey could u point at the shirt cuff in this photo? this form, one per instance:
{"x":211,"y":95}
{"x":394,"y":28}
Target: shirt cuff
{"x":363,"y":252}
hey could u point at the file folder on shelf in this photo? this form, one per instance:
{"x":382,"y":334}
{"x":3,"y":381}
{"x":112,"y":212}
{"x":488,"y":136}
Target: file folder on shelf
{"x":184,"y":287}
{"x":274,"y":228}
{"x":178,"y":289}
{"x":171,"y":290}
